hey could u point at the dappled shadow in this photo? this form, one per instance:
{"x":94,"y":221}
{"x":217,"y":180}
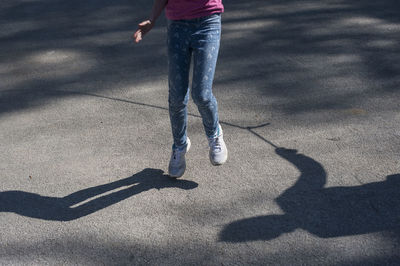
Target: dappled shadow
{"x":87,"y":201}
{"x":323,"y":211}
{"x":314,"y":55}
{"x":47,"y":45}
{"x":87,"y":248}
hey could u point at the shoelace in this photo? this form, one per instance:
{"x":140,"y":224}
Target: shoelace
{"x":176,"y":155}
{"x":215,"y":144}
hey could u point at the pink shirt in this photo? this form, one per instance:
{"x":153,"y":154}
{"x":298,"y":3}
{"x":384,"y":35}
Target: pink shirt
{"x":188,"y":9}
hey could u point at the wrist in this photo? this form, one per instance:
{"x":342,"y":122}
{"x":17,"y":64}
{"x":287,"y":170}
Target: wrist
{"x":152,"y":20}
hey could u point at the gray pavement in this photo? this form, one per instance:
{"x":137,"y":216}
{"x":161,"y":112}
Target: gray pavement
{"x":309,"y":101}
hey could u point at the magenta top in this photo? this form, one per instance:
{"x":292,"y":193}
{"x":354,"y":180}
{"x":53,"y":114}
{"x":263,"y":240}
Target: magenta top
{"x":189,"y":9}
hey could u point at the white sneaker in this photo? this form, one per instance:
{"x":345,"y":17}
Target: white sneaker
{"x":218,"y":151}
{"x":177,"y":164}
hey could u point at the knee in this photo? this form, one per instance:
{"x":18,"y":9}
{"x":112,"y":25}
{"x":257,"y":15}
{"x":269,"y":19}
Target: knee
{"x":202,"y":99}
{"x":177,"y":102}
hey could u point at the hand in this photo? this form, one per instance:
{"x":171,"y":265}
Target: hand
{"x":143,"y":28}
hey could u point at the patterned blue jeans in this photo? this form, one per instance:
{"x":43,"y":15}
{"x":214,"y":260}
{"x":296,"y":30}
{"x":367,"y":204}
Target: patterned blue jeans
{"x":198,"y":39}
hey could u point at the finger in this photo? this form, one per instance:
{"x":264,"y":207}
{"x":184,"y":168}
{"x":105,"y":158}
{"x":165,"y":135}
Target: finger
{"x":136,"y":33}
{"x":144,"y":23}
{"x":138,"y":37}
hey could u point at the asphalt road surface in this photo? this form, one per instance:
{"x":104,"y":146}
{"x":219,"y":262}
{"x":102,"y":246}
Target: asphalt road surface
{"x":309,"y":101}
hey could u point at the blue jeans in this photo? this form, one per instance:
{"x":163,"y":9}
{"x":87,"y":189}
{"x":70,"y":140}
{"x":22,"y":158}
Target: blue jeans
{"x":199,"y":38}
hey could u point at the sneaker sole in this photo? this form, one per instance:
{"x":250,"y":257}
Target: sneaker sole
{"x":177,"y":176}
{"x":216,"y":163}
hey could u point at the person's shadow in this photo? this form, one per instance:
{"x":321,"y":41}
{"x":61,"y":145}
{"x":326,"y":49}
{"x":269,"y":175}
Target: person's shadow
{"x":87,"y":201}
{"x":324,"y":212}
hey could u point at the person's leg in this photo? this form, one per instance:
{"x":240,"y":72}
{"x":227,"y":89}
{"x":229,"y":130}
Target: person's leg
{"x":205,"y":53}
{"x":179,"y":55}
